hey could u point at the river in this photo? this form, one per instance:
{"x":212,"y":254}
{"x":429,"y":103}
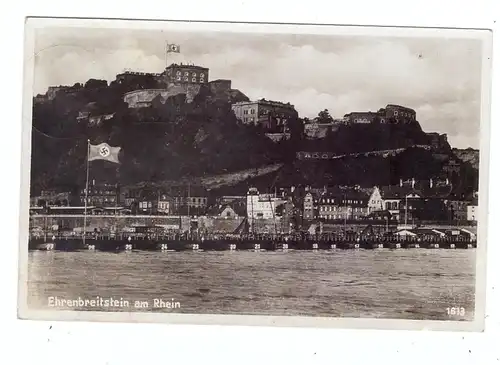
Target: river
{"x":399,"y":284}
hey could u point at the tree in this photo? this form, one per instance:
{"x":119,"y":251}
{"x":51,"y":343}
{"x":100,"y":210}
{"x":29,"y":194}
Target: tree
{"x":296,"y":128}
{"x":324,"y":117}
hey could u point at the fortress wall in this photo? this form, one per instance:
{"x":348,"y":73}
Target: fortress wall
{"x":140,"y":98}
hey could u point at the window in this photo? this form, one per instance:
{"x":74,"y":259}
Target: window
{"x":202,"y":76}
{"x":186,"y":73}
{"x":178,"y":78}
{"x":186,"y":78}
{"x":193,"y":75}
{"x":252,"y":111}
{"x":193,"y":79}
{"x":178,"y":73}
{"x":395,"y":112}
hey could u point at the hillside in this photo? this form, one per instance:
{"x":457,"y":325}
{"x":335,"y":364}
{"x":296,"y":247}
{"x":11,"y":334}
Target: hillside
{"x":177,"y":140}
{"x":163,"y":142}
{"x":362,"y":170}
{"x":468,"y":155}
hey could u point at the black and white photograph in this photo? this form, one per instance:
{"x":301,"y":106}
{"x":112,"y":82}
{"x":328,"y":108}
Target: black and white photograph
{"x":198,"y":172}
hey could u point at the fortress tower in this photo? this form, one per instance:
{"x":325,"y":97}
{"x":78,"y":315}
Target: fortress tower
{"x":184,"y":74}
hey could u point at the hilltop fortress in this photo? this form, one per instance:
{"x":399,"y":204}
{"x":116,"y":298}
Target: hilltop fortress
{"x":175,"y":79}
{"x":140,"y":89}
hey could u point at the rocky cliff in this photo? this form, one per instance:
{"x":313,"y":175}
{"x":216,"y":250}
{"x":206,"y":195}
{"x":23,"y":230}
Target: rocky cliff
{"x":468,"y":155}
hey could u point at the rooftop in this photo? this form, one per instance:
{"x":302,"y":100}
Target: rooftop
{"x":176,"y":65}
{"x":264,"y":101}
{"x":399,"y":106}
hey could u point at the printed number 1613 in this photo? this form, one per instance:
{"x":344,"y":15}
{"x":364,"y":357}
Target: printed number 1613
{"x":456,"y":311}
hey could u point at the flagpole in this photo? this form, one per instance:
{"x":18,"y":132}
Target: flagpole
{"x":86,"y":194}
{"x":166,"y":55}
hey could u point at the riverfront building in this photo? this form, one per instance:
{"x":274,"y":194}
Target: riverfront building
{"x":472,"y":211}
{"x":101,"y":195}
{"x":347,"y":204}
{"x":262,"y":205}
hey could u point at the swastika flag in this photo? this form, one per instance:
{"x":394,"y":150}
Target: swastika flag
{"x":105,"y":152}
{"x":174,"y":48}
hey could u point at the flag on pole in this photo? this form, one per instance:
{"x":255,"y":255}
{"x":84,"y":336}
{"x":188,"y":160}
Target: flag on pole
{"x":105,"y":152}
{"x":173,"y":48}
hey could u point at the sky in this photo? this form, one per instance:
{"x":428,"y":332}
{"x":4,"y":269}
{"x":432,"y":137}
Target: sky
{"x":438,"y":77}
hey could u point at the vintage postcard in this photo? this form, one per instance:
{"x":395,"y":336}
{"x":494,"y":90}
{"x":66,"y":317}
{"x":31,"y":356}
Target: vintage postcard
{"x":260,"y":174}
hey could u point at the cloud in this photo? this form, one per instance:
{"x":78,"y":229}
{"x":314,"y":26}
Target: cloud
{"x":439,"y":78}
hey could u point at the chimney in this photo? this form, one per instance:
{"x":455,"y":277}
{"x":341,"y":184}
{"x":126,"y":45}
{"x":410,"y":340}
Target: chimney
{"x":400,"y":183}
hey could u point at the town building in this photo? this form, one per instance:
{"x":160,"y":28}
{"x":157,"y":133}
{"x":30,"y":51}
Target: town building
{"x":225,"y":199}
{"x":287,"y":213}
{"x":342,"y":204}
{"x":376,"y":202}
{"x":232,"y":210}
{"x":262,"y":206}
{"x":164,"y":205}
{"x":151,"y":201}
{"x":271,"y":115}
{"x":101,"y":195}
{"x":399,"y":201}
{"x":48,"y":198}
{"x":148,"y":206}
{"x":457,"y":210}
{"x":310,"y":211}
{"x":192,"y":200}
{"x":129,"y":196}
{"x":412,"y":201}
{"x":472,"y":211}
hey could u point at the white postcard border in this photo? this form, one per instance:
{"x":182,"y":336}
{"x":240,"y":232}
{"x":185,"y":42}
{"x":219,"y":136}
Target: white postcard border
{"x":254,"y":320}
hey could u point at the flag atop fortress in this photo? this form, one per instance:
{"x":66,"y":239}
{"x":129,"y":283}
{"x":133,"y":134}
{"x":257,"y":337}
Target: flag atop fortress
{"x":173,"y":48}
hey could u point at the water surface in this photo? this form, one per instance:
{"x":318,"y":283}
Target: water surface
{"x":405,"y":284}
